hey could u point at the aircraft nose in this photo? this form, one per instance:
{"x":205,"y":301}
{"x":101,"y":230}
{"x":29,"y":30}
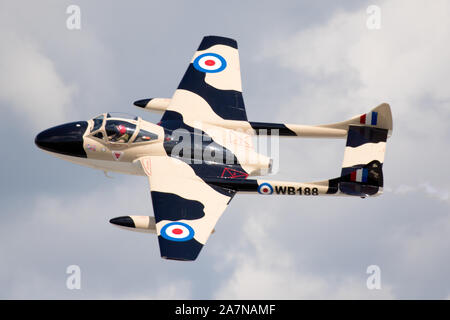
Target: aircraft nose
{"x":65,"y":139}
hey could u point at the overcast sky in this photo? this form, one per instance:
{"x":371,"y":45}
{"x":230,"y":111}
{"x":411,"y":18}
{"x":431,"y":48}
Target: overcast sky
{"x":301,"y":62}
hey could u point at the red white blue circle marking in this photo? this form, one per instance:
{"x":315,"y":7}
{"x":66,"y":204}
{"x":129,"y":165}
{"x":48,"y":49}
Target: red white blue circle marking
{"x":177,"y":231}
{"x":265,"y":188}
{"x":210,"y":63}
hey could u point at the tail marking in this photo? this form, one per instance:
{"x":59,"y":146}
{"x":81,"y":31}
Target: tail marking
{"x":369,"y":118}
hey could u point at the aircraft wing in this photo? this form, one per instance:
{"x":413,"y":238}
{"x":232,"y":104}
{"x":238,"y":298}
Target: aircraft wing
{"x":186,"y":208}
{"x":211,"y":89}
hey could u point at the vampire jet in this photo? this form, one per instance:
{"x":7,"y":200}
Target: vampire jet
{"x":201,"y":153}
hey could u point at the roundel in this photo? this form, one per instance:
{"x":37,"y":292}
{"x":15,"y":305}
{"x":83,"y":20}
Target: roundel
{"x":265,"y":188}
{"x":177,"y":231}
{"x":210,"y":63}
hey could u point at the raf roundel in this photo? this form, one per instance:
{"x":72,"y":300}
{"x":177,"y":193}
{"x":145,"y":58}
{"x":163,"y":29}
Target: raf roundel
{"x":177,"y":231}
{"x":265,"y":188}
{"x":210,"y":63}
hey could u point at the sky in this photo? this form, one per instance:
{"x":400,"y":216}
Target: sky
{"x":302,"y":62}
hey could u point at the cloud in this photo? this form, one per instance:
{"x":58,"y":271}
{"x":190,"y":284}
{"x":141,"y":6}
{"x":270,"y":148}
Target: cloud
{"x":30,"y":85}
{"x":402,"y":62}
{"x":427,"y":188}
{"x":175,"y":290}
{"x":285,"y":247}
{"x":267,"y":270}
{"x":49,"y":234}
{"x":51,"y":74}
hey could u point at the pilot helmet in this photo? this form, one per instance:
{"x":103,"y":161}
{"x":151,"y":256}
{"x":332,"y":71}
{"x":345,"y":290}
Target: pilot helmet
{"x":121,"y":129}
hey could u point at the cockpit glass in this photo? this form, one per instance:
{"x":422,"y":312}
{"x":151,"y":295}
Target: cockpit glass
{"x":98,"y":121}
{"x":99,"y":135}
{"x":145,"y":136}
{"x":121,"y":115}
{"x":119,"y":131}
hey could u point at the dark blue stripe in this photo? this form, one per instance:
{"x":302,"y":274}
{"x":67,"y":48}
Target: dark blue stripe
{"x":238,"y":184}
{"x":359,"y":135}
{"x":364,"y":175}
{"x":210,"y":41}
{"x":282,"y":129}
{"x":374,"y":118}
{"x":355,"y":189}
{"x":333,"y":185}
{"x":227,"y":104}
{"x":177,"y":250}
{"x":169,"y":206}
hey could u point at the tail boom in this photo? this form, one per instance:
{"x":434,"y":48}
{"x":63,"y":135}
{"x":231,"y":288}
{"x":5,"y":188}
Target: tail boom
{"x":268,"y":187}
{"x":379,"y":117}
{"x":341,"y":186}
{"x":296,"y":130}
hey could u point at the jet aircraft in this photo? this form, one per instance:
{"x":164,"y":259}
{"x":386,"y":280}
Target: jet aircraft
{"x":201,"y":153}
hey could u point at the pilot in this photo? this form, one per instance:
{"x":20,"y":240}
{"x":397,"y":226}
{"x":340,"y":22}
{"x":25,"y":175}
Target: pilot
{"x":121,"y":134}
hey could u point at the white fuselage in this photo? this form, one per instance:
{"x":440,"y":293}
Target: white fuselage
{"x":133,"y":168}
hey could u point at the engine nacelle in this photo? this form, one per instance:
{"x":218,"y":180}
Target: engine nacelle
{"x":136,"y":223}
{"x":156,"y":104}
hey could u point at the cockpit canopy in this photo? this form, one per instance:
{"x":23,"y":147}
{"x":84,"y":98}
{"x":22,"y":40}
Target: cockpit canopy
{"x":114,"y":127}
{"x":122,"y":115}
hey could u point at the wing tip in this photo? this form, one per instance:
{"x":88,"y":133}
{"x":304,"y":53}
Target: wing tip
{"x":209,"y":41}
{"x":176,"y":259}
{"x":179,"y":250}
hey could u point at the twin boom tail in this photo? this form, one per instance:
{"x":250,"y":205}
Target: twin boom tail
{"x":362,"y":168}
